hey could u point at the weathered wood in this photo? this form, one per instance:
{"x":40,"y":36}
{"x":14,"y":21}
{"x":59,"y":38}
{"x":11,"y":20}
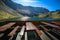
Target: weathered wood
{"x":57,"y":23}
{"x":21,"y":33}
{"x":5,"y":27}
{"x":44,"y":36}
{"x":13,"y":31}
{"x":51,"y":25}
{"x":54,"y":38}
{"x":26,"y":38}
{"x":37,"y":30}
{"x":22,"y":30}
{"x":44,"y":28}
{"x":29,"y":26}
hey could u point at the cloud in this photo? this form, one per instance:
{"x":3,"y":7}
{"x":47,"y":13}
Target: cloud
{"x":25,"y":1}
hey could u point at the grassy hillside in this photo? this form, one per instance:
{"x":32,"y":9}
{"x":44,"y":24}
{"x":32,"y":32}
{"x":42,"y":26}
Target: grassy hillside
{"x":5,"y":15}
{"x":54,"y":14}
{"x":7,"y":12}
{"x":42,"y":15}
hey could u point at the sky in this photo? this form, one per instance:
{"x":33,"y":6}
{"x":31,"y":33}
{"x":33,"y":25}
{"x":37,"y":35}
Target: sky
{"x":51,"y":5}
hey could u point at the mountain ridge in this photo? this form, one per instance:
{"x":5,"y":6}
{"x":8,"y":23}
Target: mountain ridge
{"x":33,"y":11}
{"x":6,"y":12}
{"x":29,"y":11}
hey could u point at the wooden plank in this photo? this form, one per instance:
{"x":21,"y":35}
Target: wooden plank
{"x":57,"y":23}
{"x":18,"y":37}
{"x":26,"y":38}
{"x":54,"y":38}
{"x":29,"y":26}
{"x":20,"y":34}
{"x":13,"y":31}
{"x":44,"y":28}
{"x":22,"y":30}
{"x":5,"y":27}
{"x":1,"y":34}
{"x":51,"y":25}
{"x":37,"y":30}
{"x":44,"y":36}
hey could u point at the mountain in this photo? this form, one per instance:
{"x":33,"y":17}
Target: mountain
{"x":25,"y":10}
{"x":8,"y":6}
{"x":7,"y":12}
{"x":52,"y":14}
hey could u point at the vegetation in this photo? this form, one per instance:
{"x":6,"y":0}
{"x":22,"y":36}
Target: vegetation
{"x":42,"y":15}
{"x":7,"y":12}
{"x":54,"y":14}
{"x":5,"y":15}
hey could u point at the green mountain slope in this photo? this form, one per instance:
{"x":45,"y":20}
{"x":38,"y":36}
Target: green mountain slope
{"x":7,"y":12}
{"x":53,"y":14}
{"x":5,"y":15}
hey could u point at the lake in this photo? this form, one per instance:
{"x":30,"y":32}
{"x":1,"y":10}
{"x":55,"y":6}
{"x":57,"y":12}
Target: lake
{"x":31,"y":19}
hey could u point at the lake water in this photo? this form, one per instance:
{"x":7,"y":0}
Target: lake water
{"x":32,"y":19}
